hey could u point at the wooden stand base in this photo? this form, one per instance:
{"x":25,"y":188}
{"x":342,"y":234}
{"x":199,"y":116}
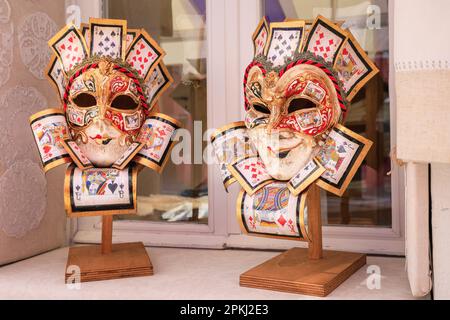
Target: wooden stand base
{"x":292,"y":271}
{"x":125,"y":260}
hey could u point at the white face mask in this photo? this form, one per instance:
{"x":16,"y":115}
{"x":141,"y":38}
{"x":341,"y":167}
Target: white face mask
{"x":289,"y":115}
{"x":104,"y":114}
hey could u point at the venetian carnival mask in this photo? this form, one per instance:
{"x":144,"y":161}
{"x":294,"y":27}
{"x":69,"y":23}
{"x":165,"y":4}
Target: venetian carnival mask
{"x":288,"y":114}
{"x":104,"y":113}
{"x":109,"y":79}
{"x":296,"y":92}
{"x":292,"y":93}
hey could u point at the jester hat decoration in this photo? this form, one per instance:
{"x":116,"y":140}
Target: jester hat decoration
{"x":297,"y":91}
{"x":109,"y":79}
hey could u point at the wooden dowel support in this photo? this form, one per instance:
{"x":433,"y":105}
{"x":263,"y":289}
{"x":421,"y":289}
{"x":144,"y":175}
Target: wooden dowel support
{"x":107,"y":234}
{"x":314,"y":223}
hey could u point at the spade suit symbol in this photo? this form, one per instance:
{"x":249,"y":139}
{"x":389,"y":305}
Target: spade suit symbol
{"x":112,"y":187}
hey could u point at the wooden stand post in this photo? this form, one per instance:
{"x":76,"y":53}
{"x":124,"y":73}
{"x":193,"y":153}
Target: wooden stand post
{"x":314,"y":223}
{"x":309,"y":271}
{"x":107,"y":234}
{"x":109,"y":261}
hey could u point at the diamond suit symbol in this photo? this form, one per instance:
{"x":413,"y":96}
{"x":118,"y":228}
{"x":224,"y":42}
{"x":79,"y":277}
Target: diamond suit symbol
{"x":282,"y":220}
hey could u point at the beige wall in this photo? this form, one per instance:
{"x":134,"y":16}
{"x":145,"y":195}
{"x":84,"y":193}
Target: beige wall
{"x":32,"y":218}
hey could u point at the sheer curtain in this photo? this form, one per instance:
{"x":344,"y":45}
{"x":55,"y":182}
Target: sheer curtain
{"x":32,"y":217}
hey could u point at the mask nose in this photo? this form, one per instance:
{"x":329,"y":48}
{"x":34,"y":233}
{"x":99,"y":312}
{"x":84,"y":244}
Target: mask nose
{"x":102,"y":111}
{"x":101,"y":116}
{"x":277,"y":112}
{"x":99,"y":122}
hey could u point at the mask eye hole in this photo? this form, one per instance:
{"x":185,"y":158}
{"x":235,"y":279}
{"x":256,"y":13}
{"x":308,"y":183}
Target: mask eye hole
{"x":261,"y":108}
{"x":124,"y":102}
{"x":300,"y":104}
{"x":85,"y":100}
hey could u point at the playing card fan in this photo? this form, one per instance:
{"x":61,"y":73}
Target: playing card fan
{"x":297,"y":91}
{"x":109,"y":79}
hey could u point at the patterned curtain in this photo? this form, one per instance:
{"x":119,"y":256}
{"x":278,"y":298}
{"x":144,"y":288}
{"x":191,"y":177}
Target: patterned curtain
{"x":32,"y":218}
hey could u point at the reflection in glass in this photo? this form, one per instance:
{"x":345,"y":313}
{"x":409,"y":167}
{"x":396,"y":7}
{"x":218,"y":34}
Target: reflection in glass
{"x":180,"y":193}
{"x":367,"y":200}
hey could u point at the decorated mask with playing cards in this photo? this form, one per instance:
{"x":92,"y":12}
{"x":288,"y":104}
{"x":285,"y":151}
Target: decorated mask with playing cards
{"x":104,"y":112}
{"x":109,"y":79}
{"x":296,"y":92}
{"x":288,"y":115}
{"x":106,"y":82}
{"x":292,"y":94}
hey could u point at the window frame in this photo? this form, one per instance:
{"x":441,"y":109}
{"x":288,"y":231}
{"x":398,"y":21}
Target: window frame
{"x":230,"y":24}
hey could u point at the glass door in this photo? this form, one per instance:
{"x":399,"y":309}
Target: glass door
{"x":182,"y":206}
{"x":370,"y":215}
{"x":180,"y":193}
{"x":368,"y":199}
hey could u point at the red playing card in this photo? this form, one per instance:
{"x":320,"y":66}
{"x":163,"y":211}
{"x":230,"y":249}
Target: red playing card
{"x":69,"y":46}
{"x":144,"y":54}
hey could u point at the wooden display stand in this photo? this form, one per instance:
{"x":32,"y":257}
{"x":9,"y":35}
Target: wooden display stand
{"x":109,"y":261}
{"x":306,"y":271}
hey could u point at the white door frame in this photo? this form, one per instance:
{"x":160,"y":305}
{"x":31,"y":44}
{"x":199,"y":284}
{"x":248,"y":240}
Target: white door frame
{"x":230,"y":24}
